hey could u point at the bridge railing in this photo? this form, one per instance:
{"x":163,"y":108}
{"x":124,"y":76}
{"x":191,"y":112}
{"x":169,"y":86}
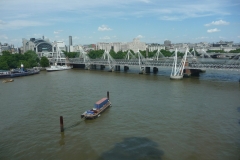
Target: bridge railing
{"x":166,"y":62}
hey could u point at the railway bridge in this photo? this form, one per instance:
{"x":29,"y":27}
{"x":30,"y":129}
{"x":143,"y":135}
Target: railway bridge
{"x":187,"y":65}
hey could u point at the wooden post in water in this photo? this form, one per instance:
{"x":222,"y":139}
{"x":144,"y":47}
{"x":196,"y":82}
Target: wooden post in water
{"x":61,"y":124}
{"x":108,"y":95}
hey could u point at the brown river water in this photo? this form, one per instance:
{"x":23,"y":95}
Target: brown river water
{"x":152,"y":117}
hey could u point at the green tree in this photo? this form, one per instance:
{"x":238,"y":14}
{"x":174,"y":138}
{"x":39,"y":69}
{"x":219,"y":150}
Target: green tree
{"x":215,"y":51}
{"x":95,"y":54}
{"x":235,"y":51}
{"x":44,"y":62}
{"x":31,"y":58}
{"x":71,"y":54}
{"x":3,"y":65}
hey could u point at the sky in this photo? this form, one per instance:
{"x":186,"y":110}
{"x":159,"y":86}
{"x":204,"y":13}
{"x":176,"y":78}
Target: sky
{"x":93,"y":21}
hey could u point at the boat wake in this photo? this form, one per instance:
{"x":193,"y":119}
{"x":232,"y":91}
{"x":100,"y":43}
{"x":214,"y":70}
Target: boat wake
{"x":74,"y":125}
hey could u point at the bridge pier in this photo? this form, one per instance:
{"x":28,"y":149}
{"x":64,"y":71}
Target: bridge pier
{"x":102,"y":67}
{"x":155,"y":70}
{"x":78,"y":65}
{"x":126,"y":68}
{"x":147,"y":69}
{"x":93,"y":66}
{"x":117,"y":68}
{"x":190,"y":72}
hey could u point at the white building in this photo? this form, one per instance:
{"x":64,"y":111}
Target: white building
{"x":135,"y":45}
{"x":78,"y":48}
{"x":154,"y":47}
{"x":104,"y":46}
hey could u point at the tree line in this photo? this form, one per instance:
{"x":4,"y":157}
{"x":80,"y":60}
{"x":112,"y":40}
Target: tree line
{"x":95,"y":54}
{"x":29,"y":59}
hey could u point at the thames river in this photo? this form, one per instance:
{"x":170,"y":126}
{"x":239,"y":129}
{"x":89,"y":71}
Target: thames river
{"x":152,"y":117}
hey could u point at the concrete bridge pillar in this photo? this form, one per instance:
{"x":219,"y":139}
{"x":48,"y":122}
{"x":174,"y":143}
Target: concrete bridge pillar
{"x":147,"y":69}
{"x":117,"y":68}
{"x":126,"y":68}
{"x":94,"y":66}
{"x":155,"y":69}
{"x":190,"y":72}
{"x":102,"y":67}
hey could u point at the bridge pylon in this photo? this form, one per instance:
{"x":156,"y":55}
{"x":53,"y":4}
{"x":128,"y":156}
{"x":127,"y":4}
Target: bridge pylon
{"x":177,"y":71}
{"x":86,"y":60}
{"x":111,"y":62}
{"x":158,"y":55}
{"x":129,"y":55}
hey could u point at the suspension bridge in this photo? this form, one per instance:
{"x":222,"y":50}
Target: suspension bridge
{"x":187,"y":65}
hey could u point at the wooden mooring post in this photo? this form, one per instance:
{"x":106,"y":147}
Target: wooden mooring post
{"x":61,"y":124}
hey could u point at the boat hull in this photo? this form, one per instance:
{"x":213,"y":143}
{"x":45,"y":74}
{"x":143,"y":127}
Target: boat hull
{"x":176,"y":77}
{"x":96,"y":115}
{"x":20,"y":74}
{"x":57,"y":68}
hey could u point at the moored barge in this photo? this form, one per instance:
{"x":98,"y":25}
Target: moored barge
{"x":99,"y":107}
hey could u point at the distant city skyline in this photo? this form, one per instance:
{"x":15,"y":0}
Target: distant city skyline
{"x":92,"y":21}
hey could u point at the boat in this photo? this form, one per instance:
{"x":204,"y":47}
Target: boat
{"x":5,"y":74}
{"x":99,"y":107}
{"x":8,"y":80}
{"x":57,"y":68}
{"x":21,"y":72}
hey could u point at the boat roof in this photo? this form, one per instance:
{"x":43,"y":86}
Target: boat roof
{"x":100,"y":101}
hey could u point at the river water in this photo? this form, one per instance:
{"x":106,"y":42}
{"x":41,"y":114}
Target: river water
{"x":152,"y":117}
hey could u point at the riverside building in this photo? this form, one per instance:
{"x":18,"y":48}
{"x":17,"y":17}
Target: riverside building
{"x":43,"y":47}
{"x":135,"y":45}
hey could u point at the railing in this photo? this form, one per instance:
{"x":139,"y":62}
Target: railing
{"x":166,"y":62}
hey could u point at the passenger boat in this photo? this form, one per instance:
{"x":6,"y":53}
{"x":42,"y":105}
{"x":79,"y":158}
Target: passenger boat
{"x":21,"y":72}
{"x":58,"y":68}
{"x":99,"y":107}
{"x":5,"y":74}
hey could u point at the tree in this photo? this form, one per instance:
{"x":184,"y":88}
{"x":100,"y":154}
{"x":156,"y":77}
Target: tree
{"x":44,"y":62}
{"x":3,"y":65}
{"x":71,"y":54}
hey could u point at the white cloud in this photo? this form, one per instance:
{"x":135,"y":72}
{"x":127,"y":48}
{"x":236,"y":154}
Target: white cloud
{"x":139,"y":36}
{"x":105,"y":38}
{"x":145,"y":1}
{"x":3,"y":37}
{"x":2,"y":22}
{"x":202,"y":38}
{"x":36,"y":34}
{"x":16,"y":24}
{"x":104,"y":28}
{"x":220,"y":22}
{"x":116,"y":9}
{"x":76,"y":37}
{"x":213,"y":30}
{"x":57,"y":32}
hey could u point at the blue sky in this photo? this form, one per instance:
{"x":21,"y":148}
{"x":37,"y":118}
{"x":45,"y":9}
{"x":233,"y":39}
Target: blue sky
{"x":92,"y":21}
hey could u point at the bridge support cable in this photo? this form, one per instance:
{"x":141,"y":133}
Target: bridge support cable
{"x":129,"y":55}
{"x":234,"y":60}
{"x":177,"y":71}
{"x":206,"y":57}
{"x":59,"y":57}
{"x":86,"y":60}
{"x":142,"y":62}
{"x":111,"y":62}
{"x":158,"y":55}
